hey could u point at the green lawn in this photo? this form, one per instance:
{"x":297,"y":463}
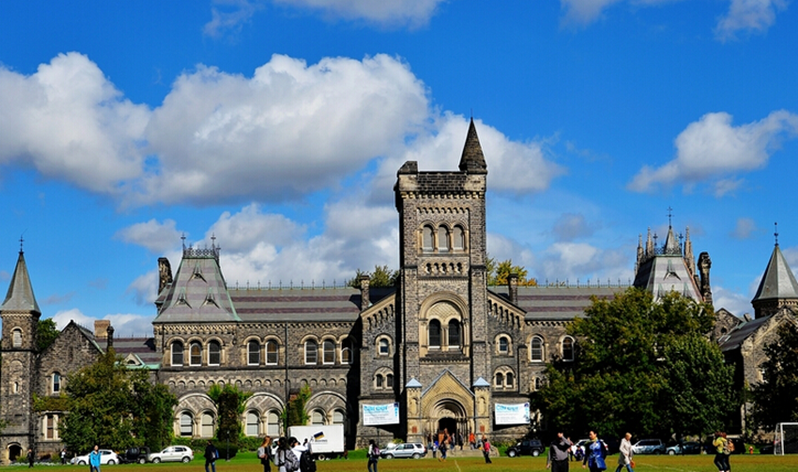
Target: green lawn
{"x":248,"y":463}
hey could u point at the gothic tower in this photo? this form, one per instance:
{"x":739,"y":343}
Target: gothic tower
{"x":442,"y":302}
{"x":20,"y":315}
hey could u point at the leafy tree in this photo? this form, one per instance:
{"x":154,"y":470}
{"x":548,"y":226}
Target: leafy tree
{"x":381,"y":277}
{"x":230,"y":404}
{"x":635,"y":355}
{"x":499,"y":272}
{"x":776,"y":397}
{"x":114,"y":407}
{"x":46,"y":333}
{"x":297,"y":413}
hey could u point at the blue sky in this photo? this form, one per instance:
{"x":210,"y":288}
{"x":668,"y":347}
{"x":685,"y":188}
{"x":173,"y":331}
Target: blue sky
{"x":278,"y":127}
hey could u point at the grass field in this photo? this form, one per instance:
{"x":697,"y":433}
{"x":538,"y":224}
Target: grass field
{"x":248,"y":463}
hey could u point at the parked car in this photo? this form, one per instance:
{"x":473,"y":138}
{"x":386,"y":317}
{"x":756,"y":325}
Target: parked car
{"x":134,"y":454}
{"x":527,"y":447}
{"x":172,"y":454}
{"x":649,"y":446}
{"x":107,"y":456}
{"x":689,"y":447}
{"x":767,"y":449}
{"x":408,"y":450}
{"x":739,"y":446}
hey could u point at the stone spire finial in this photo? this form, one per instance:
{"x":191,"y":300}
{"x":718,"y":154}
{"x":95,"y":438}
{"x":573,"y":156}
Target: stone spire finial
{"x":775,"y":233}
{"x":649,"y":244}
{"x":688,"y":251}
{"x":472,"y":160}
{"x":639,"y":252}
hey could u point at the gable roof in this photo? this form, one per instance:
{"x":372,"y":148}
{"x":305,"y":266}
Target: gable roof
{"x":20,"y":291}
{"x":778,"y":282}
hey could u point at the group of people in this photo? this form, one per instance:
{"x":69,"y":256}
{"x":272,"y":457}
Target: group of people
{"x":595,"y":454}
{"x":723,"y":449}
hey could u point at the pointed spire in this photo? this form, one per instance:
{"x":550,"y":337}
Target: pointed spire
{"x":20,"y":292}
{"x":688,"y":251}
{"x":671,"y":243}
{"x":472,"y":160}
{"x":639,"y":252}
{"x":649,"y":244}
{"x":778,"y":282}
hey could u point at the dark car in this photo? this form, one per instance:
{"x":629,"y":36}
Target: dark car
{"x":134,"y":454}
{"x":689,"y":447}
{"x":527,"y":447}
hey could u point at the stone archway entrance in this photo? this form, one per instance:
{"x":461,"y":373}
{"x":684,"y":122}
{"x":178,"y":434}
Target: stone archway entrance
{"x":14,"y":451}
{"x":449,"y":416}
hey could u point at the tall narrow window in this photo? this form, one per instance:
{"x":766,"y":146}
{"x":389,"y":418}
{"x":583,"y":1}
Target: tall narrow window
{"x":16,"y":337}
{"x":207,"y":425}
{"x":389,"y":380}
{"x":458,"y":239}
{"x":427,"y":239}
{"x":253,"y":353}
{"x":252,"y":423}
{"x":328,"y":352}
{"x":443,"y":239}
{"x":536,"y":349}
{"x":499,"y":379}
{"x":56,"y":383}
{"x":271,"y":353}
{"x":346,"y":352}
{"x":50,"y":420}
{"x":568,"y":349}
{"x":435,"y":334}
{"x":509,"y":380}
{"x":311,"y":352}
{"x":379,"y":381}
{"x":195,"y":356}
{"x":385,"y":347}
{"x":504,"y":345}
{"x":338,"y":417}
{"x":214,"y":353}
{"x":454,"y":334}
{"x":177,"y":354}
{"x":186,"y":425}
{"x":273,"y":424}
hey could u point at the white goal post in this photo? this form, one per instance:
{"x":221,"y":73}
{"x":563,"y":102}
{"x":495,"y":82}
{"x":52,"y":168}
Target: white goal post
{"x":786,"y":439}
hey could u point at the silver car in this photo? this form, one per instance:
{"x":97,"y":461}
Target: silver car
{"x":409,"y":450}
{"x":172,"y":454}
{"x":107,"y":456}
{"x":649,"y":446}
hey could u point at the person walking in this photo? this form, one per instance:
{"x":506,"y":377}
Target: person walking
{"x":486,"y":449}
{"x":94,"y":459}
{"x":63,"y":456}
{"x":721,"y":462}
{"x":625,"y":454}
{"x":557,"y":458}
{"x":373,"y":456}
{"x":31,"y":457}
{"x":265,"y":454}
{"x":211,"y":454}
{"x":595,"y":453}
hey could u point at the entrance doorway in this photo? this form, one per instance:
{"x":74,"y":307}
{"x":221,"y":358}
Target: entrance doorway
{"x":14,"y":451}
{"x":449,"y":425}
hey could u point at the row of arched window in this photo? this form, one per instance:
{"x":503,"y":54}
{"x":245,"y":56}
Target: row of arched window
{"x":447,"y":336}
{"x":537,"y":348}
{"x":442,"y":238}
{"x":257,"y":353}
{"x":254,"y":424}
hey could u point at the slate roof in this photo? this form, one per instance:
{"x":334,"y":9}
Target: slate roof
{"x":778,"y":282}
{"x":736,"y":337}
{"x":20,"y":291}
{"x":556,"y":303}
{"x":143,"y":348}
{"x":472,"y":159}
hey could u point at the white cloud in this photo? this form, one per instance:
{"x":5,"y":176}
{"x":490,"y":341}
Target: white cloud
{"x":156,"y":237}
{"x":125,"y":325}
{"x":68,"y":121}
{"x":744,"y":228}
{"x":231,"y":17}
{"x":753,"y":16}
{"x":145,"y":287}
{"x":568,"y":261}
{"x":736,"y":303}
{"x":712,"y":148}
{"x":587,"y":11}
{"x":412,"y":13}
{"x":571,"y":226}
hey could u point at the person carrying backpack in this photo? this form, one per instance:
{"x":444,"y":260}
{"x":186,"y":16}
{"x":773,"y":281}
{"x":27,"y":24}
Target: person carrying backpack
{"x":373,"y":456}
{"x":288,"y":453}
{"x":211,"y":454}
{"x":265,"y":454}
{"x":595,"y":453}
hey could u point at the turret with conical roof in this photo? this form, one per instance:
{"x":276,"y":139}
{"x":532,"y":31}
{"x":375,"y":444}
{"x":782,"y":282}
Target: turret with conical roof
{"x":472,"y":160}
{"x":778,"y":287}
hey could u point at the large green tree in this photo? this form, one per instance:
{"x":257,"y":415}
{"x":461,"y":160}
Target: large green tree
{"x":498,"y":272}
{"x":643,"y":366}
{"x":230,"y":404}
{"x":381,"y":277}
{"x":46,"y":332}
{"x":114,"y":407}
{"x":776,"y":397}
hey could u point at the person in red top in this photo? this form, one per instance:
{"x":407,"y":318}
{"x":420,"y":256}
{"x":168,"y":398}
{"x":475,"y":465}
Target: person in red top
{"x":486,"y":449}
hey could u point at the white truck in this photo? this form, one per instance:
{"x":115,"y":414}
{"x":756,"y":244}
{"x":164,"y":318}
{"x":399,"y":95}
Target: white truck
{"x":326,"y":441}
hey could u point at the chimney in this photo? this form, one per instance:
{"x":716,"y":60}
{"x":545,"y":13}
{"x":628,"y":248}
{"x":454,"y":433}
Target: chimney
{"x":101,"y":329}
{"x":364,"y":292}
{"x":512,"y":285}
{"x":110,"y":335}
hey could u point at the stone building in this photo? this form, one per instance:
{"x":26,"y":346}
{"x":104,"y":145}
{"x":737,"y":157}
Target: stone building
{"x":442,"y":344}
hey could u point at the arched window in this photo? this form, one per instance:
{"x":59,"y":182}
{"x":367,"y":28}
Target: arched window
{"x":378,"y":381}
{"x":458,"y":239}
{"x":214,"y":353}
{"x":253,"y":353}
{"x":389,"y":381}
{"x":177,"y":353}
{"x":454,"y":334}
{"x":207,"y":425}
{"x":434,"y":334}
{"x":338,"y":417}
{"x":509,"y":380}
{"x":186,"y":424}
{"x":273,"y":424}
{"x":385,"y":347}
{"x":56,"y":383}
{"x":252,"y":423}
{"x":504,"y":345}
{"x":538,"y":383}
{"x":195,"y":354}
{"x":426,"y":239}
{"x":499,"y":382}
{"x":272,"y":355}
{"x":316,"y":417}
{"x":568,"y":349}
{"x":346,"y":352}
{"x":311,"y":352}
{"x":16,"y":337}
{"x":536,"y":349}
{"x":328,"y":352}
{"x":443,"y":239}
